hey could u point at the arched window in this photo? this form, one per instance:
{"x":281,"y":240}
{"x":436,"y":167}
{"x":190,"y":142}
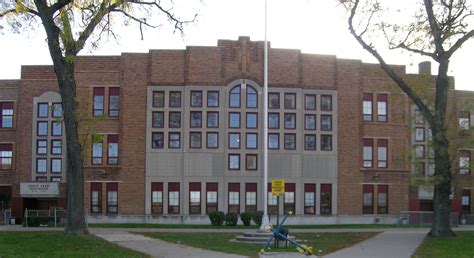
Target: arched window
{"x":234,"y":97}
{"x":252,"y":101}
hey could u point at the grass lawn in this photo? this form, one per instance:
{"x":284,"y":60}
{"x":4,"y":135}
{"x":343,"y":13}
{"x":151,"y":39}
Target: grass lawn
{"x":206,"y":226}
{"x":55,"y":244}
{"x":326,"y":242}
{"x":460,"y":246}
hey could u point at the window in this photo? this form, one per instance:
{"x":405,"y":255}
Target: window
{"x":55,"y":179}
{"x":234,"y":97}
{"x":464,"y":120}
{"x":43,"y":110}
{"x":96,"y":197}
{"x":382,"y":153}
{"x":326,"y":199}
{"x":114,"y":100}
{"x":6,"y":114}
{"x":326,"y":122}
{"x":252,"y":101}
{"x":251,"y":120}
{"x":273,"y":120}
{"x":290,"y":100}
{"x":251,"y":141}
{"x":97,"y":153}
{"x":420,"y":169}
{"x":234,"y":161}
{"x":234,"y":198}
{"x":175,"y":99}
{"x":466,"y":201}
{"x":290,"y":120}
{"x":56,"y":147}
{"x":310,"y":122}
{"x":158,"y":120}
{"x":212,"y":99}
{"x":273,"y":141}
{"x":250,"y":197}
{"x":196,"y":98}
{"x":234,"y":140}
{"x":289,"y":198}
{"x":326,"y":103}
{"x":367,"y":107}
{"x":6,"y":156}
{"x":57,"y":110}
{"x":309,"y":198}
{"x":112,"y":197}
{"x":196,"y":119}
{"x":420,"y":151}
{"x":419,"y":134}
{"x":194,"y":198}
{"x":368,"y":199}
{"x":431,"y":168}
{"x":158,"y":99}
{"x":40,"y":166}
{"x":326,"y":142}
{"x":112,"y":151}
{"x":56,"y":165}
{"x":310,"y":102}
{"x":381,"y":107}
{"x":273,"y":100}
{"x":251,"y":162}
{"x":211,"y":197}
{"x":464,"y":162}
{"x":157,"y":198}
{"x":41,"y":147}
{"x":310,"y":142}
{"x":56,"y":128}
{"x":212,"y":140}
{"x":212,"y":119}
{"x":290,"y":141}
{"x":234,"y":120}
{"x":419,"y":119}
{"x":42,"y":128}
{"x":195,"y":139}
{"x":175,"y":120}
{"x":41,"y":179}
{"x":382,"y":199}
{"x":174,"y":140}
{"x":157,"y":140}
{"x":368,"y":153}
{"x":98,"y":101}
{"x":272,"y":201}
{"x":173,"y":198}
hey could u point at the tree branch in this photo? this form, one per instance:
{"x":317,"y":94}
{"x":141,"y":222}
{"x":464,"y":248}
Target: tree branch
{"x":435,"y":30}
{"x":141,"y":22}
{"x":418,"y":51}
{"x":59,"y":5}
{"x":459,"y":43}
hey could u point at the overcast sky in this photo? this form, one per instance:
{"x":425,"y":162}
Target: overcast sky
{"x":314,"y":26}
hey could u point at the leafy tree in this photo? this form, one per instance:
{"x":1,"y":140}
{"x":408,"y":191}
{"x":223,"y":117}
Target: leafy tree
{"x":434,"y":29}
{"x":69,"y":25}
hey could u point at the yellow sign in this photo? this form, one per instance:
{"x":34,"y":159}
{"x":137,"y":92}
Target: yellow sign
{"x":278,"y":187}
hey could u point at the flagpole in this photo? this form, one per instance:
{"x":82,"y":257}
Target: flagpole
{"x":265,"y":219}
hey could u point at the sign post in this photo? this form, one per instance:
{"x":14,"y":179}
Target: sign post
{"x":278,"y":189}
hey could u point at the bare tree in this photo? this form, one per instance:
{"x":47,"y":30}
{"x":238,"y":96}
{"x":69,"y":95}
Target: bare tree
{"x":434,"y":30}
{"x":69,"y":24}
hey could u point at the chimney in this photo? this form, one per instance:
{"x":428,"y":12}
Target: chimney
{"x":424,"y":68}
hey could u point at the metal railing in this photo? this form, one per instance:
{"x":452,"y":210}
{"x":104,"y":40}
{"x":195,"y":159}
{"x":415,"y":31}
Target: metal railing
{"x":52,"y":217}
{"x":422,"y":218}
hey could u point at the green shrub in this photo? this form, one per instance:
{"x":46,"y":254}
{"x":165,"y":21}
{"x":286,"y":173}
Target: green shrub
{"x":257,"y":217}
{"x":40,"y":221}
{"x":231,"y":219}
{"x":217,"y":218}
{"x":246,"y":218}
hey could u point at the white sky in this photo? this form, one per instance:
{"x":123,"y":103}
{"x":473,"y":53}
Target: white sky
{"x":314,"y":26}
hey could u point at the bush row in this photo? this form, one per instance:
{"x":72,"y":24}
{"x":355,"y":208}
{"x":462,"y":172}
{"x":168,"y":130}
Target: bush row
{"x":40,"y":221}
{"x":218,"y":218}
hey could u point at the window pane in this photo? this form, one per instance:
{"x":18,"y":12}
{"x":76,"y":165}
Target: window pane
{"x":273,"y":120}
{"x":56,"y":166}
{"x":251,"y":162}
{"x":310,"y":122}
{"x":273,"y":141}
{"x":251,"y":142}
{"x":98,"y":105}
{"x":113,"y":153}
{"x":234,"y":140}
{"x":420,"y":151}
{"x":326,"y":122}
{"x":234,"y":120}
{"x":97,"y":153}
{"x":175,"y":120}
{"x":234,"y":161}
{"x":41,"y":165}
{"x":212,"y":119}
{"x":290,"y":141}
{"x":158,"y":120}
{"x":290,"y":121}
{"x":195,"y":140}
{"x":251,"y":97}
{"x":326,"y":142}
{"x":234,"y":97}
{"x":212,"y":197}
{"x":57,"y":127}
{"x":234,"y":198}
{"x":174,"y":140}
{"x":157,"y":140}
{"x":273,"y":100}
{"x":251,"y":120}
{"x":251,"y":198}
{"x":158,"y":99}
{"x":326,"y":103}
{"x":212,"y":98}
{"x":290,"y":100}
{"x":212,"y":140}
{"x":57,"y":110}
{"x":43,"y":109}
{"x":42,"y":128}
{"x":310,"y":102}
{"x":196,"y":98}
{"x":196,"y":119}
{"x":464,"y":123}
{"x":175,"y":99}
{"x":420,"y":134}
{"x":41,"y":147}
{"x":310,"y":142}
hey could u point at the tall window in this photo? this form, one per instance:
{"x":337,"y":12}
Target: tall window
{"x":196,"y":98}
{"x":309,"y":122}
{"x":309,"y":198}
{"x":466,"y":201}
{"x":158,"y":99}
{"x":56,"y":165}
{"x":251,"y":141}
{"x":464,"y":162}
{"x":274,"y":141}
{"x":251,"y":161}
{"x":196,"y":119}
{"x":382,"y":199}
{"x":326,"y":122}
{"x":273,"y":120}
{"x":98,"y":101}
{"x":114,"y":101}
{"x":251,"y":121}
{"x":6,"y":114}
{"x":96,"y":197}
{"x":273,"y":100}
{"x":112,"y":197}
{"x":41,"y":165}
{"x":289,"y":198}
{"x":212,"y":140}
{"x":56,"y":128}
{"x":56,"y":147}
{"x":290,"y":120}
{"x":290,"y":100}
{"x":326,"y":142}
{"x":42,"y":128}
{"x":175,"y":99}
{"x":290,"y":141}
{"x":194,"y":198}
{"x":326,"y":103}
{"x":250,"y":197}
{"x":272,"y":201}
{"x":212,"y":99}
{"x":6,"y":156}
{"x":310,"y":142}
{"x":113,"y":149}
{"x":174,"y":120}
{"x":419,"y":119}
{"x":158,"y":119}
{"x":212,"y":119}
{"x":195,"y":140}
{"x":420,"y":134}
{"x":382,"y":153}
{"x":41,"y":147}
{"x":464,"y":120}
{"x":173,"y":198}
{"x":57,"y":110}
{"x":234,"y":97}
{"x":367,"y":107}
{"x":234,"y":198}
{"x":234,"y":161}
{"x":157,"y":198}
{"x":234,"y":120}
{"x":368,"y":151}
{"x":234,"y":140}
{"x":382,"y":108}
{"x":420,"y":151}
{"x":252,"y":101}
{"x":43,"y":110}
{"x":310,"y":102}
{"x":211,"y":197}
{"x":174,"y":140}
{"x":326,"y":199}
{"x":157,"y":140}
{"x":368,"y":199}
